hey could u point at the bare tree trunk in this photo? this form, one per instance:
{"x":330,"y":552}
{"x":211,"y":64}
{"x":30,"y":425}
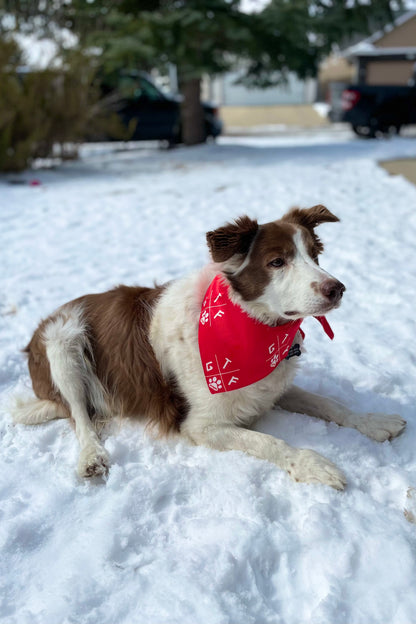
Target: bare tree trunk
{"x":193,"y":126}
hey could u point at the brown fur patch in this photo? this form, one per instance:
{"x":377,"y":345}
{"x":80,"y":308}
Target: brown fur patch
{"x":274,"y":240}
{"x":315,"y":287}
{"x":313,"y":244}
{"x":309,"y":218}
{"x":117,"y":325}
{"x":232,"y":238}
{"x":39,"y":368}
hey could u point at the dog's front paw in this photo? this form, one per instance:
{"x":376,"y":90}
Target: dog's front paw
{"x":381,"y":427}
{"x":310,"y":467}
{"x":93,"y":462}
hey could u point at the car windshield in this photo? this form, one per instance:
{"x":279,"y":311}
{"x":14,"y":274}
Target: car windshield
{"x":136,"y":87}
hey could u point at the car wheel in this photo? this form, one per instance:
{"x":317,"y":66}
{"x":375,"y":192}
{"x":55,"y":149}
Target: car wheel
{"x":365,"y":132}
{"x":395,"y":129}
{"x":389,"y":130}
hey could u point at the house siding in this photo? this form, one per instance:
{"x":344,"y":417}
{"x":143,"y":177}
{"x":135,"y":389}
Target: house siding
{"x":389,"y":72}
{"x":401,"y":36}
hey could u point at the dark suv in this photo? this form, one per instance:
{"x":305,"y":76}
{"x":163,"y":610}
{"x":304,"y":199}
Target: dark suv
{"x":151,"y":114}
{"x":374,"y":110}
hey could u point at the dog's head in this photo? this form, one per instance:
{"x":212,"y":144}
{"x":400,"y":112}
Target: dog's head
{"x":273,"y":268}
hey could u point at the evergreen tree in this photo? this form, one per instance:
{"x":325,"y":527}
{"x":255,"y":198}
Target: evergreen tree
{"x":211,"y":36}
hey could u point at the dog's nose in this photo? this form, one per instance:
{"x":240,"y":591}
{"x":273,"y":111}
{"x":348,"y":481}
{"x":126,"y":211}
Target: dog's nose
{"x":332,"y":289}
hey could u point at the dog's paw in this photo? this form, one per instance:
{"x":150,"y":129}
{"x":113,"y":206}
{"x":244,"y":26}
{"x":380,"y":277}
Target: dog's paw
{"x":381,"y":427}
{"x":93,"y":462}
{"x":310,"y":467}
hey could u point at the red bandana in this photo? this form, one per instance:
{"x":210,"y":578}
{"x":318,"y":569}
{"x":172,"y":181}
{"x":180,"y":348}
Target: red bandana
{"x":237,"y":350}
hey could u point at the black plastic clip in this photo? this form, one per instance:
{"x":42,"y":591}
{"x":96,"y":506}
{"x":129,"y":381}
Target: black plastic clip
{"x":293,"y":351}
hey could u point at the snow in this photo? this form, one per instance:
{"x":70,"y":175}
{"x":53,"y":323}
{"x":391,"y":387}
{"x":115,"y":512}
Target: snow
{"x":181,"y":534}
{"x":322,"y":108}
{"x":41,"y":52}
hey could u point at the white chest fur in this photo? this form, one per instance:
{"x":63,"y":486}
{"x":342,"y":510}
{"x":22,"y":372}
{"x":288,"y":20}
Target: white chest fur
{"x":174,"y":338}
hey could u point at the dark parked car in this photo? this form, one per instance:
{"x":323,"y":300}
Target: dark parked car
{"x":373,"y":110}
{"x":151,"y":114}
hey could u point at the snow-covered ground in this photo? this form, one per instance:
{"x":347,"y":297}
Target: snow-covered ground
{"x":188,"y":535}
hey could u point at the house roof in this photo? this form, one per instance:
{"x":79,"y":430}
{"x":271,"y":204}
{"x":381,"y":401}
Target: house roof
{"x":367,"y":46}
{"x":408,"y":51}
{"x":389,"y":27}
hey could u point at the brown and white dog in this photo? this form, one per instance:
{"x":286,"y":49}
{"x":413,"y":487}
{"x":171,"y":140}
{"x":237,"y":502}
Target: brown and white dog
{"x":134,"y":351}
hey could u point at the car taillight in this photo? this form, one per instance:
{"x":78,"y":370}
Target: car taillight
{"x":349,"y":99}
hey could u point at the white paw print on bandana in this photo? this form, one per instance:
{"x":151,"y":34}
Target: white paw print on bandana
{"x":215,"y":383}
{"x":274,"y":361}
{"x":204,"y":317}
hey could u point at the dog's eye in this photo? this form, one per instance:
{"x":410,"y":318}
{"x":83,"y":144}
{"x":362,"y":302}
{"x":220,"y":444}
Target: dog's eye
{"x":277,"y":263}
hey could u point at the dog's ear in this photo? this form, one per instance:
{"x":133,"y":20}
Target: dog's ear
{"x":310,"y":217}
{"x":232,"y":238}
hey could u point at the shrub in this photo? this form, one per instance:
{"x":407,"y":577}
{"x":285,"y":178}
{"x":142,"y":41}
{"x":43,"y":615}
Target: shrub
{"x":43,"y":110}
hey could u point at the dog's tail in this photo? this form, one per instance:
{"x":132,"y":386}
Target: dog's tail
{"x":35,"y":411}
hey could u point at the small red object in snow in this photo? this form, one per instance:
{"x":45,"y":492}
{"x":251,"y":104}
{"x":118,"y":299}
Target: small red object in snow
{"x":35,"y":182}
